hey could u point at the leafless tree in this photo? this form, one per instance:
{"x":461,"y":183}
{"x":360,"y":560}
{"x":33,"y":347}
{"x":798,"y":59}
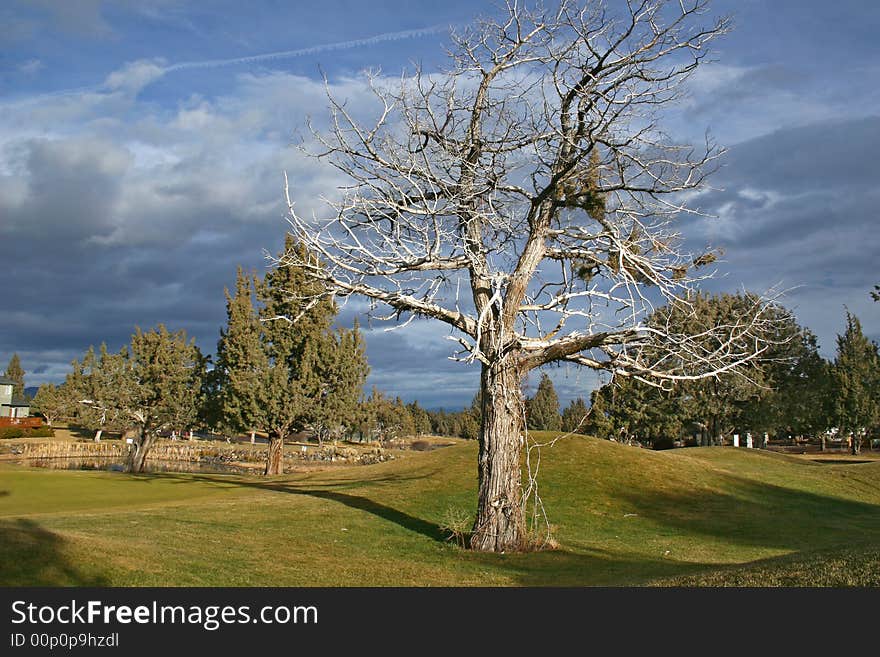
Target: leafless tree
{"x":527,"y":198}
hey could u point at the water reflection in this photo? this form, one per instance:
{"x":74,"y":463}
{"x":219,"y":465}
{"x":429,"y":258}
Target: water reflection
{"x":112,"y":463}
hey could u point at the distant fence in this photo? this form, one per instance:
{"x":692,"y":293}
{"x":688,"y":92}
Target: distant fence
{"x":21,"y":422}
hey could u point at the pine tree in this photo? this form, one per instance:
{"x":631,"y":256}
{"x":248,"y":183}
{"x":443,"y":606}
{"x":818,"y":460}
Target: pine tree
{"x":161,"y":387}
{"x":291,"y":332}
{"x":599,"y":423}
{"x":717,"y":403}
{"x":421,"y":418}
{"x":94,"y":387}
{"x":856,"y":377}
{"x":543,"y":408}
{"x":342,"y":367}
{"x":282,"y":368}
{"x":15,"y":372}
{"x":797,"y":397}
{"x":152,"y":384}
{"x":388,"y":418}
{"x":240,"y":358}
{"x":575,"y":416}
{"x":52,"y":402}
{"x":626,"y":409}
{"x":466,"y":423}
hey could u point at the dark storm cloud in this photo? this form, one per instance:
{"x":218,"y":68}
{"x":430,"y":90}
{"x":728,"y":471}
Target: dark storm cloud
{"x":133,"y":203}
{"x":75,"y":284}
{"x":413,"y":363}
{"x":69,"y":188}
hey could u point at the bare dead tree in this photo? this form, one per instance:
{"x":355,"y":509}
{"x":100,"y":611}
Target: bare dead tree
{"x":527,"y":198}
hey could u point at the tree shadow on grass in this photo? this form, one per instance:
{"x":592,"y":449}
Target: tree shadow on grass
{"x":755,"y":514}
{"x":588,"y":568}
{"x":738,"y":511}
{"x":33,"y":556}
{"x":330,"y":490}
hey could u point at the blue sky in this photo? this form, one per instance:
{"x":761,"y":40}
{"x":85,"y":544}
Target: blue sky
{"x":142,"y":145}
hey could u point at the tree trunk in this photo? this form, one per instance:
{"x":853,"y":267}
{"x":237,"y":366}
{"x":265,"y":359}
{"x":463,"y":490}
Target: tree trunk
{"x":856,"y":444}
{"x":137,"y":456}
{"x":98,"y":435}
{"x":500,"y":523}
{"x":275,"y":458}
{"x":253,"y":437}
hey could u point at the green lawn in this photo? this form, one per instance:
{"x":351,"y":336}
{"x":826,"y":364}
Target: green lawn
{"x":621,"y":516}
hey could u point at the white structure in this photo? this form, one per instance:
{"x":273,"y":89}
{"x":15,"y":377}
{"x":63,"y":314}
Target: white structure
{"x":10,"y":405}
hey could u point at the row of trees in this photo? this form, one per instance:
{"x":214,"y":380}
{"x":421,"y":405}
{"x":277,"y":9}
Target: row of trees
{"x":791,"y":390}
{"x":281,"y":368}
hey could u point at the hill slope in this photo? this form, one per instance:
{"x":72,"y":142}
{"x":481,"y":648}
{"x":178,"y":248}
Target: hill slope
{"x":621,"y":516}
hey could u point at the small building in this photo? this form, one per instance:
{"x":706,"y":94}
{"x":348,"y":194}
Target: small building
{"x":14,"y":406}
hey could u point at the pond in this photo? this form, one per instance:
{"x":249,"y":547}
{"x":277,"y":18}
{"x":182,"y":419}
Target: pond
{"x":113,"y":464}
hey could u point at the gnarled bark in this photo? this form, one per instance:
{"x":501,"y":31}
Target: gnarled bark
{"x":500,"y":523}
{"x":275,"y":458}
{"x":137,"y":455}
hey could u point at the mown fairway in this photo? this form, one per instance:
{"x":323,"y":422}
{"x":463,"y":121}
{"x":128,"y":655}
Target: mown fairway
{"x":622,"y":516}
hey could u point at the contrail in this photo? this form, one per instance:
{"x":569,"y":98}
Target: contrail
{"x":265,"y":57}
{"x":312,"y":50}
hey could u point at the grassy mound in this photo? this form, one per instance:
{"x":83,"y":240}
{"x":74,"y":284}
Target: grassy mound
{"x":621,"y":516}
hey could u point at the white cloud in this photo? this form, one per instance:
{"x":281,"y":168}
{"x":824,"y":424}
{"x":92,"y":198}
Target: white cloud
{"x":737,"y":103}
{"x":30,"y":67}
{"x":134,"y":76}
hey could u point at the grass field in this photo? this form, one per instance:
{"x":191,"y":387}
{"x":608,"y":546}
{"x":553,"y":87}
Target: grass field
{"x":621,"y":516}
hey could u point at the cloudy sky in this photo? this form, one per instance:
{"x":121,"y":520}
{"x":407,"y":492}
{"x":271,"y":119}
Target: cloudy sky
{"x":142,"y":147}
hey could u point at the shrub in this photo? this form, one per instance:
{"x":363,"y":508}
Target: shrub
{"x":663,"y":443}
{"x":39,"y":432}
{"x":11,"y":432}
{"x":456,"y":524}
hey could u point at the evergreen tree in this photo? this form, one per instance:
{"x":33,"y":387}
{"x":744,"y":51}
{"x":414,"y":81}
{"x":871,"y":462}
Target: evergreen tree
{"x":389,"y":418}
{"x":240,"y":359}
{"x":785,"y":390}
{"x":598,"y":423}
{"x":441,"y":423}
{"x":626,"y":409}
{"x":162,"y":387}
{"x":342,"y":365}
{"x":15,"y":372}
{"x":468,"y":421}
{"x":211,"y":411}
{"x":282,"y":369}
{"x":716,"y":404}
{"x":543,"y":408}
{"x":856,"y":377}
{"x":93,"y":385}
{"x":797,"y":397}
{"x":153,"y":384}
{"x":421,"y":419}
{"x":575,"y":416}
{"x":52,"y":402}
